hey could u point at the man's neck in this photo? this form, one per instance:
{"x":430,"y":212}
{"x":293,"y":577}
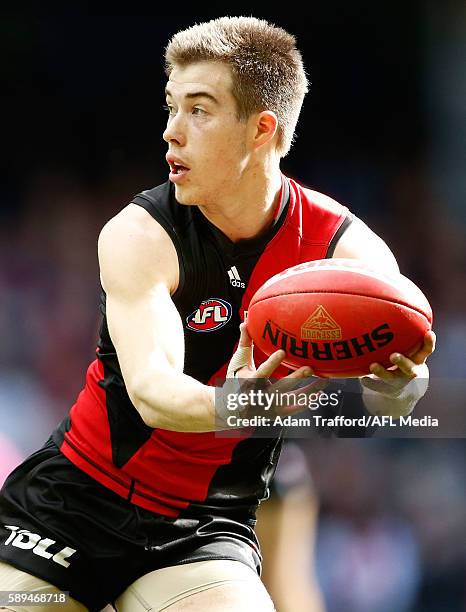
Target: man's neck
{"x":250,"y":210}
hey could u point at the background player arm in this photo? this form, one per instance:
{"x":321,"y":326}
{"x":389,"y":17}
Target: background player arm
{"x":139,"y":272}
{"x":396,"y":391}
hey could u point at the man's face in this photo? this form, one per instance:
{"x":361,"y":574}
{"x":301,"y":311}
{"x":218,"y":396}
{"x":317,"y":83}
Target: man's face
{"x":203,"y":133}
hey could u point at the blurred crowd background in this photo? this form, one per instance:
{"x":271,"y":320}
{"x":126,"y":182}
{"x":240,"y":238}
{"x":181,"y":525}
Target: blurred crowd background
{"x":382,"y":131}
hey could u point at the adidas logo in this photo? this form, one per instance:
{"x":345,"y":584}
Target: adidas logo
{"x":235,"y":278}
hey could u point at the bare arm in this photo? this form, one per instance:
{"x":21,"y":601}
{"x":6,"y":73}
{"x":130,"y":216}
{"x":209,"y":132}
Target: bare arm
{"x":139,"y":272}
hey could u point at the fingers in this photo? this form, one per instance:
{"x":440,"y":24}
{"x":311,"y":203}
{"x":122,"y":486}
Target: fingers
{"x":405,"y":365}
{"x":244,"y":339}
{"x":377,"y":385}
{"x":266,"y":369}
{"x":315,"y":386}
{"x":290,"y":382}
{"x":311,"y":392}
{"x":427,"y":348}
{"x":301,"y":372}
{"x":381,"y":372}
{"x":420,"y":356}
{"x":243,"y":356}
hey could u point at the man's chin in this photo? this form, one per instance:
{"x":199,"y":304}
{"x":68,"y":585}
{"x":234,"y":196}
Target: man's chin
{"x":184,"y":196}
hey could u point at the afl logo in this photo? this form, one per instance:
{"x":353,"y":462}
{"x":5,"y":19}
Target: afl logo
{"x":212,"y":314}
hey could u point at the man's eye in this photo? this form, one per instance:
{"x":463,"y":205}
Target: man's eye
{"x":198,"y":111}
{"x":169,"y":109}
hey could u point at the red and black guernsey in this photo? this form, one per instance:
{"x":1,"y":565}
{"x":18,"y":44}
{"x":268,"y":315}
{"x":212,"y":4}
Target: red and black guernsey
{"x":183,"y":474}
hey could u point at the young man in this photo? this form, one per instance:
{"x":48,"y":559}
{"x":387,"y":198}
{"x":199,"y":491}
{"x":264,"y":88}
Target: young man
{"x":135,"y":498}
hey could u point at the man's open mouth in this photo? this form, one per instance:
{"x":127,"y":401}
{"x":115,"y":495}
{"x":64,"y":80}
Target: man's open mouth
{"x":177,"y":165}
{"x":178,"y":168}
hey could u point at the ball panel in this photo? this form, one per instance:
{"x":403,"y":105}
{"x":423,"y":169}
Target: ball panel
{"x":338,"y":335}
{"x":345,"y":276}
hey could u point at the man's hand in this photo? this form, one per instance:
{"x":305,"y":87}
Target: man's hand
{"x":243,"y":377}
{"x":395,"y":391}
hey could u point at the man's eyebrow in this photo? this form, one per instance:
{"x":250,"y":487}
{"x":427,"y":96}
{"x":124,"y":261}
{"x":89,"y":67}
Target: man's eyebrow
{"x":196,"y":94}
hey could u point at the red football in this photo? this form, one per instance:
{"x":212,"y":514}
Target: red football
{"x":338,"y":316}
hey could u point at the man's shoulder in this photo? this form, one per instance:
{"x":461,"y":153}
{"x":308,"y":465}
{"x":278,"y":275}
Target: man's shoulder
{"x":160,"y":194}
{"x":134,"y":217}
{"x":133,"y":226}
{"x":135,"y":252}
{"x":314,"y":198}
{"x":161,"y":204}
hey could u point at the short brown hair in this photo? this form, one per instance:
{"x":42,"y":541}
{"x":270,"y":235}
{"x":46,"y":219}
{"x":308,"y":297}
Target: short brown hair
{"x":266,"y":66}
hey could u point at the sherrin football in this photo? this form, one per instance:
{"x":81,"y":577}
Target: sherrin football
{"x":338,"y":316}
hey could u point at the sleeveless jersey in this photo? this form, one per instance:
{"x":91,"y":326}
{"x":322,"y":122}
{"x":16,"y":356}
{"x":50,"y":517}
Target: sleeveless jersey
{"x":183,"y":474}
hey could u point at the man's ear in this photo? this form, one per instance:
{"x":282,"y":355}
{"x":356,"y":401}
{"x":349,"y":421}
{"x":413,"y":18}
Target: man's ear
{"x":265,"y":128}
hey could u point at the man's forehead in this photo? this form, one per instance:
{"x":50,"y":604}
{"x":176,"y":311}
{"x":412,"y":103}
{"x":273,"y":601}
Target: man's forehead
{"x":210,"y":76}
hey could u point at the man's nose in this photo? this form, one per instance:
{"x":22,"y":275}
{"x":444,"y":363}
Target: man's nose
{"x":175,"y":131}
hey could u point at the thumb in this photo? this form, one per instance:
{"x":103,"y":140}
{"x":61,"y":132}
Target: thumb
{"x":243,"y":355}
